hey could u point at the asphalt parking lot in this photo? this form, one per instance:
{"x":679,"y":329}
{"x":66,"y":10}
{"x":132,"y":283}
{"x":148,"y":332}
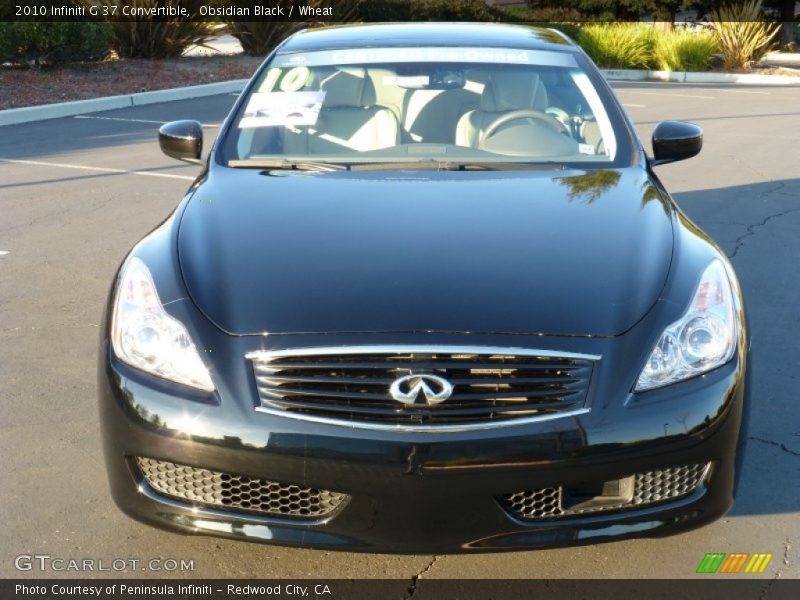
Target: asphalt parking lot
{"x":76,"y":193}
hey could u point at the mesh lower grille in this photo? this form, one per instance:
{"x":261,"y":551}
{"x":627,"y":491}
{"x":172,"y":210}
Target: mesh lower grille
{"x":534,"y":504}
{"x":649,"y":488}
{"x":237,"y":492}
{"x":665,"y":484}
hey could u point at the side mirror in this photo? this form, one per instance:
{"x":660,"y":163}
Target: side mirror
{"x":182,"y":140}
{"x":675,"y":140}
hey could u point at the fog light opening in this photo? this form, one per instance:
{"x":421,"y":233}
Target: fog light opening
{"x":598,"y":494}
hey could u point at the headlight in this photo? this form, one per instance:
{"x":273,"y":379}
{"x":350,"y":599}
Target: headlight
{"x":702,"y":340}
{"x":144,"y":336}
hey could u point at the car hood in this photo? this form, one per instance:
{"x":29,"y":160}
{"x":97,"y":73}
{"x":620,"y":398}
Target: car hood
{"x":556,"y":252}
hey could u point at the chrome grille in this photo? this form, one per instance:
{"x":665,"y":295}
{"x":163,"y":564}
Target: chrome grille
{"x":352,"y":383}
{"x":655,"y":486}
{"x":237,"y":492}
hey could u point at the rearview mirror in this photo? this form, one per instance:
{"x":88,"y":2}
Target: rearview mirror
{"x":182,"y":140}
{"x":675,"y":140}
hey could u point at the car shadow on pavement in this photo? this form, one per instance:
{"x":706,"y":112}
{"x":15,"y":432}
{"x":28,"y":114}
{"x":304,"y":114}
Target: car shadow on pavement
{"x":757,"y":225}
{"x":110,"y":129}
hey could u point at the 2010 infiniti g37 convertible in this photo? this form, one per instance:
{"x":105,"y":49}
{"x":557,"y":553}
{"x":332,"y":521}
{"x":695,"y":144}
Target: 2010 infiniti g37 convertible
{"x":426,"y":295}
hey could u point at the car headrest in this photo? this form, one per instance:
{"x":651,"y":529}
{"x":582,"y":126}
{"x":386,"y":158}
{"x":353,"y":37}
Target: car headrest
{"x":513,"y":90}
{"x":348,"y":87}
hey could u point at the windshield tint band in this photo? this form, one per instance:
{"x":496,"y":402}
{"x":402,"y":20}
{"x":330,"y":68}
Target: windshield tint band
{"x":355,"y":56}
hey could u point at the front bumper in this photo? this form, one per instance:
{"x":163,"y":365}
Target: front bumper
{"x":429,"y":492}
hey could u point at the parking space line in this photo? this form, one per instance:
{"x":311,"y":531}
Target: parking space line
{"x":118,"y":119}
{"x":633,"y":105}
{"x":741,"y":92}
{"x":39,"y":163}
{"x":624,"y":86}
{"x":135,"y":120}
{"x":3,"y":252}
{"x":666,"y":94}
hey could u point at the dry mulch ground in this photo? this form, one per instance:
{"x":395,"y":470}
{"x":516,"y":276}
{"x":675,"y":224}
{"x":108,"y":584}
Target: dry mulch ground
{"x":28,"y":87}
{"x":779,"y":71}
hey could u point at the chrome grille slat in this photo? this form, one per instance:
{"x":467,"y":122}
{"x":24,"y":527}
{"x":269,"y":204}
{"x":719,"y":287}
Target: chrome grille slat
{"x":324,"y":393}
{"x":548,"y":393}
{"x":381,"y":396}
{"x":473,"y":381}
{"x":461,"y":380}
{"x":326,"y":380}
{"x":351,"y":384}
{"x":399,"y":412}
{"x":433,"y":364}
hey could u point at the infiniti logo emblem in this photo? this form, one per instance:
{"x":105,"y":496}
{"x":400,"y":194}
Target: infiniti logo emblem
{"x":421,"y":389}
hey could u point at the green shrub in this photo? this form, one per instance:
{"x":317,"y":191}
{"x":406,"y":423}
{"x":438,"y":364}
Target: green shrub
{"x":49,"y":43}
{"x":682,"y":50}
{"x":166,"y":38}
{"x":742,"y":34}
{"x":618,"y":45}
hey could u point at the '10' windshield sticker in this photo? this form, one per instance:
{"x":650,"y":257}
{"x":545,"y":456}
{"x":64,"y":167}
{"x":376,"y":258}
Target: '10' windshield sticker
{"x":293,"y":80}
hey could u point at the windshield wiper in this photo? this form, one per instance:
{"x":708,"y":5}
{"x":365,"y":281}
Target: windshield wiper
{"x":289,"y":165}
{"x":447,"y":165}
{"x":430,"y":164}
{"x":502,"y":166}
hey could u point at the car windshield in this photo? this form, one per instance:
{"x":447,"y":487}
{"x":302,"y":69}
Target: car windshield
{"x":401,"y":105}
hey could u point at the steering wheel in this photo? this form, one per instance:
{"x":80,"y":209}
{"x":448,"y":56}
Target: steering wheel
{"x":515,"y":115}
{"x":558,"y":113}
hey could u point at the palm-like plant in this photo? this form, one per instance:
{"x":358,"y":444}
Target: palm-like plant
{"x":743,"y":35}
{"x":258,"y":38}
{"x":143,"y":37}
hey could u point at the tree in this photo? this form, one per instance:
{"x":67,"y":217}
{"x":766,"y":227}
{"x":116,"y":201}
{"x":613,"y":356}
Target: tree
{"x":661,"y":10}
{"x":788,"y":17}
{"x":624,"y":10}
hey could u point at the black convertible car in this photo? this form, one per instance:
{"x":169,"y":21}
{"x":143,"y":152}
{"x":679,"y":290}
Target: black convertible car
{"x":427,"y":294}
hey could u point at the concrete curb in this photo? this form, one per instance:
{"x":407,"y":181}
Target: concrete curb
{"x":27,"y":114}
{"x":783,"y":59}
{"x":689,"y":77}
{"x":13,"y":116}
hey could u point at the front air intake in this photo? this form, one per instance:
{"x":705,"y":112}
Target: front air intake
{"x":240,"y":493}
{"x":651,"y":487}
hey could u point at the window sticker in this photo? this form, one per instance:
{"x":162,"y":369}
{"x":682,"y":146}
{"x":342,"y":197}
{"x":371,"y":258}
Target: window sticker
{"x":586,"y":149}
{"x":438,"y":54}
{"x":410,"y":81}
{"x":282,"y":109}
